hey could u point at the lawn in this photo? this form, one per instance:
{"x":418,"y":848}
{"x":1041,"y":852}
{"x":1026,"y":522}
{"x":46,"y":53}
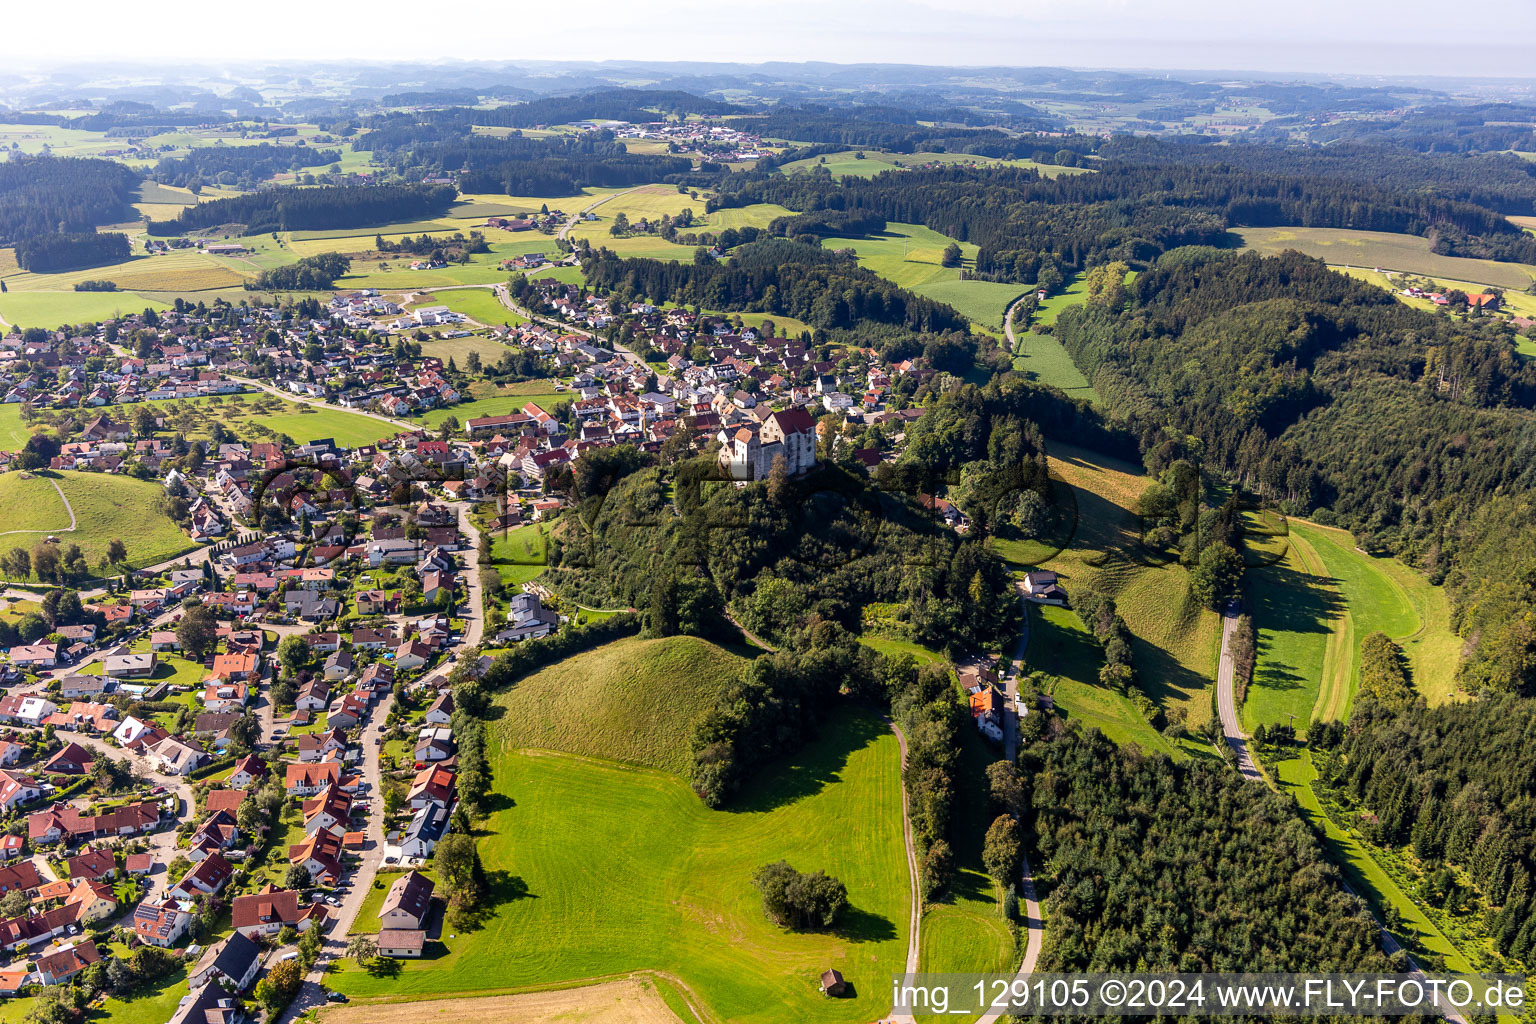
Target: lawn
{"x":1371,"y":249}
{"x":625,"y":869}
{"x":508,"y":400}
{"x":150,"y":1007}
{"x":367,"y":920}
{"x":632,"y":701}
{"x":1075,"y":294}
{"x":521,"y":553}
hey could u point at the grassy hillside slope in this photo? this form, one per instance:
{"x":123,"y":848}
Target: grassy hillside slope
{"x":632,"y":700}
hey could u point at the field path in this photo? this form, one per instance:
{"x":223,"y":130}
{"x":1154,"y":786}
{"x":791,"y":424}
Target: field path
{"x":67,"y":507}
{"x":915,"y":921}
{"x":1013,"y":344}
{"x":1226,"y":699}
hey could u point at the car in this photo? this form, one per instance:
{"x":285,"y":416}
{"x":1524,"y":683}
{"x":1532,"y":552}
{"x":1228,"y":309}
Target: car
{"x":389,"y":860}
{"x":335,"y":997}
{"x":333,"y":901}
{"x":157,"y":791}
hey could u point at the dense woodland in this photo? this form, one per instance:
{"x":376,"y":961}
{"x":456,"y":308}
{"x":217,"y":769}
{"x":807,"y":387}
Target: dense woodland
{"x":776,"y":276}
{"x":45,"y":254}
{"x":1457,"y":785}
{"x":515,"y":165}
{"x":308,"y":209}
{"x":782,"y":554}
{"x":43,"y":194}
{"x":1181,"y":866}
{"x":241,"y":166}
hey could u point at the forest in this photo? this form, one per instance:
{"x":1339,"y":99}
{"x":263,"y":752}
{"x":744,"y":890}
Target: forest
{"x":1181,"y":866}
{"x":1456,"y":784}
{"x":777,"y":276}
{"x":46,"y":254}
{"x":782,"y":555}
{"x":514,"y":165}
{"x":308,"y":209}
{"x":242,"y":166}
{"x":43,"y":194}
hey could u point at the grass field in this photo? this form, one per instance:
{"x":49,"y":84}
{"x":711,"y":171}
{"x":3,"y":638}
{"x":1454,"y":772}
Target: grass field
{"x":29,"y":503}
{"x":195,"y":418}
{"x":489,"y":349}
{"x":965,"y":932}
{"x":1518,"y":303}
{"x":1074,"y":294}
{"x":1176,"y":640}
{"x":106,"y":508}
{"x":626,"y":870}
{"x":479,"y":304}
{"x":633,"y":700}
{"x":520,"y":554}
{"x":509,"y":400}
{"x":875,"y":162}
{"x":1313,"y":611}
{"x":911,"y":256}
{"x":1404,"y":253}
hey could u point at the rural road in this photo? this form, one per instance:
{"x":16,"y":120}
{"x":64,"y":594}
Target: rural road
{"x":1013,"y":344}
{"x":67,"y":507}
{"x":1226,"y":699}
{"x":915,"y":921}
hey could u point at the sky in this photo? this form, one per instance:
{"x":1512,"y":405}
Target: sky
{"x":1371,"y":37}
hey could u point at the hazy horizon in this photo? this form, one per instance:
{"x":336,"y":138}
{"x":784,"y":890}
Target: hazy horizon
{"x":1317,"y":37}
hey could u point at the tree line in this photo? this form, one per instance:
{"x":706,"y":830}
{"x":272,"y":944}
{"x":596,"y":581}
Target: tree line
{"x":307,"y":209}
{"x":241,"y":164}
{"x":41,"y":195}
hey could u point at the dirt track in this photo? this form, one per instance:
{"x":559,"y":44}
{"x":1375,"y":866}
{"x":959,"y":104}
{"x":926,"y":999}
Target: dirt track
{"x":631,"y":1001}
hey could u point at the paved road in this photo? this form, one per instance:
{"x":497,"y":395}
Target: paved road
{"x":360,"y":880}
{"x":1011,"y":683}
{"x":915,"y":920}
{"x":1226,"y":702}
{"x":1013,"y":344}
{"x":1226,"y":699}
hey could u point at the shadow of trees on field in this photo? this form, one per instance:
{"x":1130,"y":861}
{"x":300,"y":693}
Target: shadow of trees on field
{"x":809,"y":770}
{"x":1288,"y":601}
{"x":857,"y":925}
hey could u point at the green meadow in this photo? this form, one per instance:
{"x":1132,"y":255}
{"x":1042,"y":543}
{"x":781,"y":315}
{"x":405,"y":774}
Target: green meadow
{"x":603,"y":867}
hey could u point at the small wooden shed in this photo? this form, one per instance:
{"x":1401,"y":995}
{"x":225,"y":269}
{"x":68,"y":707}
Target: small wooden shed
{"x":832,"y":983}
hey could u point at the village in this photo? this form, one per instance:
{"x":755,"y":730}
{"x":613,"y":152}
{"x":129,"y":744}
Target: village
{"x":225,"y":754}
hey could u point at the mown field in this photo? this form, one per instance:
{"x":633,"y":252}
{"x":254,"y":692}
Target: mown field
{"x":1370,"y":249}
{"x":521,"y":553}
{"x":1176,"y":640}
{"x":652,"y":202}
{"x":626,"y":870}
{"x":499,"y":402}
{"x":630,"y":699}
{"x":638,"y":1000}
{"x":1313,"y":611}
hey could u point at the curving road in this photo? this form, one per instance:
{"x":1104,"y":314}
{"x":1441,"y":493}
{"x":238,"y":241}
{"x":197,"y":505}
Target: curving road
{"x":576,"y":217}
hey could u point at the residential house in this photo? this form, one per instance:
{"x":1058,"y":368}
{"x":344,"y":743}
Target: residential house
{"x":210,"y":1004}
{"x":17,"y":789}
{"x":321,"y":856}
{"x":208,"y":876}
{"x":408,"y":904}
{"x":72,"y":759}
{"x":130,"y":665}
{"x":248,"y":771}
{"x":59,"y":966}
{"x":233,"y":962}
{"x":268,"y":912}
{"x":427,"y":826}
{"x":313,"y":746}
